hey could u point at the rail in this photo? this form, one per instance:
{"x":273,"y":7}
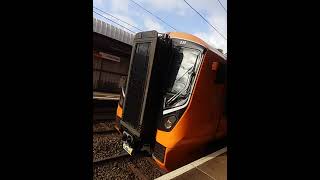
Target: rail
{"x":111,"y":158}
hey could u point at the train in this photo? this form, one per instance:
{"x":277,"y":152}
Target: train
{"x":174,"y":100}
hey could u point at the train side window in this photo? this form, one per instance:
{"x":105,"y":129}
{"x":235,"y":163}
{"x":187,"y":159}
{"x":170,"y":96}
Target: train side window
{"x":221,"y":73}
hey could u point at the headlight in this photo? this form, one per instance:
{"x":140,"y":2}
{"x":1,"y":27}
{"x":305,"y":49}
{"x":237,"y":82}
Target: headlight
{"x":169,"y":121}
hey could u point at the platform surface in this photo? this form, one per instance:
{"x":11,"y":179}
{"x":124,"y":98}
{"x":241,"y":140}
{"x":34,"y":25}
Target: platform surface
{"x":211,"y":167}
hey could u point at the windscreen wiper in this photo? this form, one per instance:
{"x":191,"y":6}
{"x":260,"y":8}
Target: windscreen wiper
{"x":175,"y":96}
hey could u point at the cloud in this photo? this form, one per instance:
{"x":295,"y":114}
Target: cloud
{"x":211,"y":36}
{"x":120,"y":6}
{"x":177,"y":6}
{"x":213,"y":39}
{"x":172,"y":12}
{"x":220,"y":23}
{"x":181,"y":13}
{"x":208,"y":6}
{"x":151,"y":24}
{"x":98,"y":3}
{"x":124,"y":18}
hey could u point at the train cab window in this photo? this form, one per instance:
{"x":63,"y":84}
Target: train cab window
{"x":186,"y":62}
{"x":221,"y":73}
{"x":186,"y":66}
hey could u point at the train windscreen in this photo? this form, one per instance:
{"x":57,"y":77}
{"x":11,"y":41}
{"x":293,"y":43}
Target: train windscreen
{"x":183,"y":71}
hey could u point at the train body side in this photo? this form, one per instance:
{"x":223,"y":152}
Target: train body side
{"x":201,"y":122}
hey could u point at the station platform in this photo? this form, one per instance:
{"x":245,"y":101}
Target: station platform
{"x":105,"y":96}
{"x":212,"y":166}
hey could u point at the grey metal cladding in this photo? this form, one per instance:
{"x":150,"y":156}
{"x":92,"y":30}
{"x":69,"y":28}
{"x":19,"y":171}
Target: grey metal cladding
{"x":112,"y":31}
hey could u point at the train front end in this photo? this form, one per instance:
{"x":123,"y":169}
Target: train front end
{"x":172,"y":103}
{"x":193,"y":103}
{"x":142,"y":105}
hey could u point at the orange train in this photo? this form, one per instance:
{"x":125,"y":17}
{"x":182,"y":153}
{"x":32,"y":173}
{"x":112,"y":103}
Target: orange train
{"x":173,"y":103}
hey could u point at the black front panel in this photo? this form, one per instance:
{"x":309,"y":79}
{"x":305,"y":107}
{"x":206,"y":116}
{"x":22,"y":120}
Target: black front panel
{"x":145,"y":87}
{"x":136,"y":85}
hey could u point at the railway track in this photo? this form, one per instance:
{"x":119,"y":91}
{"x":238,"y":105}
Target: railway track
{"x":131,"y":165}
{"x":100,"y":117}
{"x":111,"y":161}
{"x":137,"y":172}
{"x":108,"y":131}
{"x":104,"y":126}
{"x":121,"y":165}
{"x":111,"y":158}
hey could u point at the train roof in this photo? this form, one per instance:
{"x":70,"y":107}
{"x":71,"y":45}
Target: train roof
{"x":192,"y":38}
